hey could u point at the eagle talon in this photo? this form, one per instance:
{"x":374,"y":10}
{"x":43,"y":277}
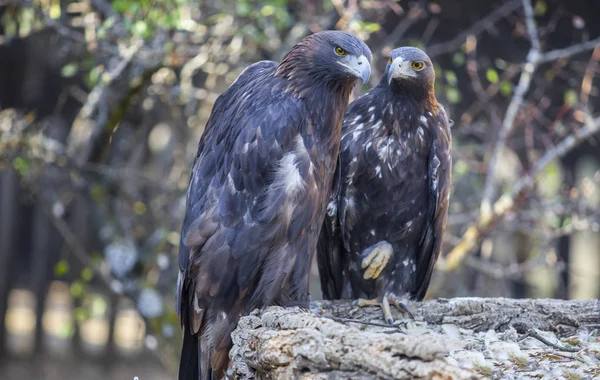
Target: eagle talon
{"x":384,"y":304}
{"x":375,"y":259}
{"x":362,"y":302}
{"x":405,"y":309}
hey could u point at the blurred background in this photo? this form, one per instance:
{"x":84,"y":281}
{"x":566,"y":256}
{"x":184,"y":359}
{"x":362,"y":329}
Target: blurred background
{"x":102,"y":104}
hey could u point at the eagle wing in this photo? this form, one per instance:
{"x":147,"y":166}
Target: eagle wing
{"x":329,"y":253}
{"x":251,"y":195}
{"x":439,"y":171}
{"x":335,"y":232}
{"x":200,"y":179}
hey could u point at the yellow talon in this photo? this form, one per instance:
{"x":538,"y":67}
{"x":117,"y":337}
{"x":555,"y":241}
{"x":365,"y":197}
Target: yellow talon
{"x":361,"y":302}
{"x":384,"y":304}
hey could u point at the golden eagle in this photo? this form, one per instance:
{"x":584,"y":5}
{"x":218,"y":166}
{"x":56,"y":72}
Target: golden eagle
{"x":383,"y":231}
{"x":258,"y":192}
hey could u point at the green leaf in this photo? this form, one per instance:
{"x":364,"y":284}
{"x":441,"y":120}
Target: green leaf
{"x":267,"y":10}
{"x":77,"y":289}
{"x":450,"y":77}
{"x":461,"y":168}
{"x":61,"y":268}
{"x":243,"y":9}
{"x":21,"y":165}
{"x":139,"y":208}
{"x":458,"y":59}
{"x":540,"y":7}
{"x":54,"y":12}
{"x":571,"y":97}
{"x":69,"y":70}
{"x":492,"y":76}
{"x":506,"y":88}
{"x":99,"y":307}
{"x":142,"y":29}
{"x":66,"y":330}
{"x":81,"y":314}
{"x":93,"y":76}
{"x":87,"y":274}
{"x":500,"y":63}
{"x":97,"y":193}
{"x":453,"y":95}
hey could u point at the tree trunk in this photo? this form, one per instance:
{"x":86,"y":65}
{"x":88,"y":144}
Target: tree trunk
{"x":449,"y":339}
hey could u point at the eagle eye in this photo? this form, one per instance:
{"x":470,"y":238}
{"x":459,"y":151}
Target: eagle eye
{"x":390,"y":59}
{"x":339,"y":51}
{"x":417,"y":65}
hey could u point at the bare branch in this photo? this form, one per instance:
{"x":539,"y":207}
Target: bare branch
{"x":478,"y":27}
{"x":515,"y":104}
{"x":531,"y":27}
{"x":82,"y":132}
{"x":474,"y":233}
{"x":569,"y":51}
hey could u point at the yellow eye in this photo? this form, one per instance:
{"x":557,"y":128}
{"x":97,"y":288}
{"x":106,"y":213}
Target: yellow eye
{"x":390,"y":59}
{"x":417,"y":65}
{"x":340,"y":51}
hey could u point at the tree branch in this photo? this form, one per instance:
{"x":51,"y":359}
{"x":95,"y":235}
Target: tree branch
{"x":569,"y":51}
{"x":475,"y":232}
{"x":82,"y":133}
{"x":458,"y":338}
{"x":475,"y":29}
{"x":511,"y":113}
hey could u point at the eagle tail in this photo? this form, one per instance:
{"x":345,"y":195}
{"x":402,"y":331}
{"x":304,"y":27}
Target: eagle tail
{"x":189,"y":364}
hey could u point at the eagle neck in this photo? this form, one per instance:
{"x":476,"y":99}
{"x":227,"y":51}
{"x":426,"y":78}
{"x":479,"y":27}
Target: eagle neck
{"x":326,"y":104}
{"x":409,"y":105}
{"x":421,"y":96}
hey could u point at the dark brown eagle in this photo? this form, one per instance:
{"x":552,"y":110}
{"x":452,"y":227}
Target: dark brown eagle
{"x":259,"y":190}
{"x":383,"y":230}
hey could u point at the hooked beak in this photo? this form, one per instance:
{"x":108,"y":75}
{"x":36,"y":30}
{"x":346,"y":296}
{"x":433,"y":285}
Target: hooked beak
{"x":399,"y":68}
{"x":358,"y":67}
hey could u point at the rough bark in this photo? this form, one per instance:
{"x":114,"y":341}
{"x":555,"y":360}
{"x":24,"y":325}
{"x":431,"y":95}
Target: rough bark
{"x":449,"y":339}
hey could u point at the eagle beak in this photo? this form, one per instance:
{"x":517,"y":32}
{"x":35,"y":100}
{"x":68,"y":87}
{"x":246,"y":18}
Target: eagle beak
{"x":358,"y":67}
{"x":399,"y":68}
{"x":364,"y":69}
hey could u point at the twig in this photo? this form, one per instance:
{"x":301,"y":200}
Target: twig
{"x":475,"y":29}
{"x":534,"y":58}
{"x":509,"y":201}
{"x":569,"y":51}
{"x":511,"y":112}
{"x":54,"y":24}
{"x":536,"y":335}
{"x":80,"y":133}
{"x":414,"y":14}
{"x":75,"y":248}
{"x":351,"y":320}
{"x":590,"y":70}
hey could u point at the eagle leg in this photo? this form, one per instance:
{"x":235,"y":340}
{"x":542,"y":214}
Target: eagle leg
{"x":376,"y":258}
{"x":384,"y":304}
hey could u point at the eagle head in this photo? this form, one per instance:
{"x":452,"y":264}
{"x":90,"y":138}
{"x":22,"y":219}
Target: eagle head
{"x":410,"y":66}
{"x":343,"y":55}
{"x":329,"y":56}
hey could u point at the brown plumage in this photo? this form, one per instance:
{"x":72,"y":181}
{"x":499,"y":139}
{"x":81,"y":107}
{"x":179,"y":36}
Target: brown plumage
{"x":258,"y":192}
{"x":383,"y":231}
